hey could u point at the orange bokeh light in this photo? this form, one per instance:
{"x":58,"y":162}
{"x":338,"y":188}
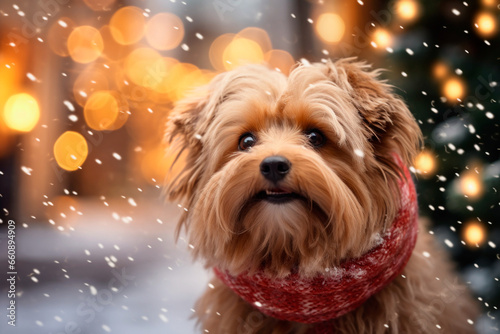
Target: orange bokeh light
{"x":216,"y":51}
{"x":471,"y":185}
{"x":279,"y":59}
{"x":70,"y":150}
{"x":382,"y":38}
{"x":164,"y":31}
{"x":112,"y":49}
{"x":440,"y":70}
{"x":486,"y":24}
{"x":105,"y":110}
{"x":58,"y":36}
{"x":144,"y":67}
{"x":474,"y":233}
{"x":89,"y":81}
{"x":127,"y":25}
{"x":408,"y":10}
{"x":330,"y":27}
{"x":454,"y":88}
{"x":85,"y":44}
{"x":425,"y":162}
{"x":257,"y":35}
{"x":242,"y":51}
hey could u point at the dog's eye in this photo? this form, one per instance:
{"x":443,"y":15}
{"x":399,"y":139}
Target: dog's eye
{"x":247,"y":140}
{"x":316,"y":137}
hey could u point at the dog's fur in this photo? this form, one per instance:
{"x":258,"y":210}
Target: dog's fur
{"x":348,"y":187}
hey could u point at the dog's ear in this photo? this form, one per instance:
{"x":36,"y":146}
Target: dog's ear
{"x":183,"y":139}
{"x":389,"y":125}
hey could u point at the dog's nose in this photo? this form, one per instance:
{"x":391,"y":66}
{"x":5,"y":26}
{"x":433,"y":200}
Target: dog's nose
{"x":275,"y":168}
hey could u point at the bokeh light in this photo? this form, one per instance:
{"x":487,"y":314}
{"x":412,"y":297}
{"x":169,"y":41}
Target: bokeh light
{"x":330,"y":27}
{"x":382,"y":38}
{"x":70,"y":150}
{"x":408,"y":10}
{"x":21,"y":112}
{"x":90,"y":80}
{"x":471,"y":185}
{"x":100,"y":5}
{"x":279,"y":60}
{"x":425,"y":162}
{"x":454,"y":88}
{"x":257,"y":35}
{"x":58,"y":36}
{"x":486,"y":24}
{"x":216,"y":51}
{"x":474,"y":233}
{"x":105,"y":110}
{"x":157,"y":165}
{"x":112,"y":49}
{"x":127,"y":25}
{"x":85,"y":44}
{"x":144,"y":67}
{"x":440,"y":70}
{"x":242,"y":51}
{"x":164,"y":31}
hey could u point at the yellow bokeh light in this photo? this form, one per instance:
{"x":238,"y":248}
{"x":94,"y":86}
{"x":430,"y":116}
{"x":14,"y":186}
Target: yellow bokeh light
{"x":330,"y":27}
{"x":127,"y":25}
{"x":21,"y":112}
{"x":382,"y":38}
{"x":425,"y":162}
{"x":100,"y":5}
{"x":58,"y":35}
{"x":474,"y":233}
{"x":408,"y":10}
{"x":242,"y":51}
{"x":144,"y":66}
{"x":486,"y":24}
{"x":454,"y":88}
{"x":280,"y":60}
{"x":471,"y":185}
{"x":105,"y":110}
{"x":164,"y":31}
{"x":85,"y":44}
{"x":216,"y":52}
{"x":257,"y":35}
{"x":70,"y":150}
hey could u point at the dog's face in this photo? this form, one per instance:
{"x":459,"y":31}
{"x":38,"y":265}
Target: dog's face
{"x":292,"y":173}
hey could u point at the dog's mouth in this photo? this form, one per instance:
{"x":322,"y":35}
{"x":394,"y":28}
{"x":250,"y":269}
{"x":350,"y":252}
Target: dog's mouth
{"x":278,"y":195}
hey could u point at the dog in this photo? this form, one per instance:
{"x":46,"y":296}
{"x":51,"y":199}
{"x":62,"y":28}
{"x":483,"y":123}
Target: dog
{"x":298,"y":195}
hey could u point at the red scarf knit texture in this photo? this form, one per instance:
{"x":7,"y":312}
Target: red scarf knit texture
{"x":343,"y":288}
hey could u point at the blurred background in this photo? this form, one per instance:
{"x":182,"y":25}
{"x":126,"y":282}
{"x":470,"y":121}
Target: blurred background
{"x":85,"y":89}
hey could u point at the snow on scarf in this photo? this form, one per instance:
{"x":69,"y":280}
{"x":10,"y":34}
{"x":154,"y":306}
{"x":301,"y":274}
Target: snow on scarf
{"x":343,"y":288}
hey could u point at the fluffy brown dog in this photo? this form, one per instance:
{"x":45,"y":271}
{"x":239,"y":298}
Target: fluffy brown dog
{"x":299,"y":197}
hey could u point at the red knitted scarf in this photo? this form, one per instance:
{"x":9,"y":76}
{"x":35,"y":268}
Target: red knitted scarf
{"x":343,"y":288}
